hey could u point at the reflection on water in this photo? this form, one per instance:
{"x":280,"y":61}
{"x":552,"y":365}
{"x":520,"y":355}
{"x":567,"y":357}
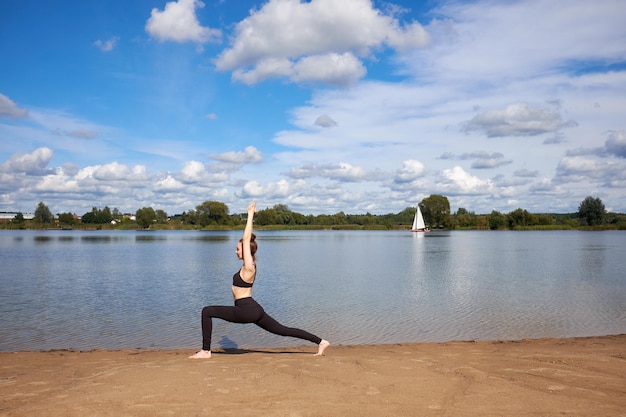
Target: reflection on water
{"x":136,"y":289}
{"x":207,"y":237}
{"x":592,"y":260}
{"x":103,"y":238}
{"x":150,"y":238}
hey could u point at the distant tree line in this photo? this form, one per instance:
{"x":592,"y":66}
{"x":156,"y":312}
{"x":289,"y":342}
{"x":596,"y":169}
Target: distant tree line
{"x":591,"y":213}
{"x":435,"y":209}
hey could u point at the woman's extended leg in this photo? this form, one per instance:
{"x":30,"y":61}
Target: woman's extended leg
{"x":267,"y":322}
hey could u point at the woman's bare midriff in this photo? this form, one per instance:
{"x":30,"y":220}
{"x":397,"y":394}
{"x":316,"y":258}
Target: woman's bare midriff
{"x":239,"y":292}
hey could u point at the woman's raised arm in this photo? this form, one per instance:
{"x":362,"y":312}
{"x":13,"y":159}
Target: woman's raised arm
{"x":248,"y":259}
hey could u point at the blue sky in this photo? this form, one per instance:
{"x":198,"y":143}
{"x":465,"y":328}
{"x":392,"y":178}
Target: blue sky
{"x":325,"y":106}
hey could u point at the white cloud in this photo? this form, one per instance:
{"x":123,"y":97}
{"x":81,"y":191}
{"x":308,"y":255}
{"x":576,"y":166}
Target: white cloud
{"x":265,"y":68}
{"x":112,"y":171}
{"x":208,"y":176}
{"x":489,"y":41}
{"x":168,"y":184}
{"x":139,"y":172}
{"x":59,"y":183}
{"x":34,"y":163}
{"x":70,"y":169}
{"x":295,"y":39}
{"x":341,"y":171}
{"x":178,"y":22}
{"x":325,"y":121}
{"x":80,"y":133}
{"x":193,"y":171}
{"x":107,"y":45}
{"x":525,"y":173}
{"x":601,"y":166}
{"x":543,"y":186}
{"x":457,"y":181}
{"x":590,"y":169}
{"x":279,"y":189}
{"x":411,"y":170}
{"x":482,"y":159}
{"x":517,"y":119}
{"x":9,"y":109}
{"x":332,"y":68}
{"x":616,"y":143}
{"x":248,"y":156}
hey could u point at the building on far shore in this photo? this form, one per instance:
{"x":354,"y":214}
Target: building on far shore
{"x":10,"y":215}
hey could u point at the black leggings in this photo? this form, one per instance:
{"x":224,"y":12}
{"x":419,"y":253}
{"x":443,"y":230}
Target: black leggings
{"x":247,"y":310}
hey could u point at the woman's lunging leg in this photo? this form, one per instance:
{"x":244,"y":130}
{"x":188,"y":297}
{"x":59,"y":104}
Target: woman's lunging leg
{"x":235,"y":314}
{"x":243,"y":313}
{"x":268,"y":323}
{"x":223,"y":312}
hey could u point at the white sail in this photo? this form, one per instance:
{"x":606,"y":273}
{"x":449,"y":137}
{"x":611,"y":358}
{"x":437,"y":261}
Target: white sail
{"x":418,"y":221}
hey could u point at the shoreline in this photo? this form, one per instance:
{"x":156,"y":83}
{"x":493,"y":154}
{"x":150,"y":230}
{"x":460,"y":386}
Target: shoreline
{"x":238,"y":350}
{"x":581,"y":376}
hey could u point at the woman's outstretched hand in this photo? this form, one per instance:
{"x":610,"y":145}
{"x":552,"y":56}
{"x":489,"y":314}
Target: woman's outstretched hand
{"x":252,"y":208}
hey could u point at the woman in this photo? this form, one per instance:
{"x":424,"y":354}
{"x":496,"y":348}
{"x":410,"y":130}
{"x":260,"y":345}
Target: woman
{"x":246,"y":309}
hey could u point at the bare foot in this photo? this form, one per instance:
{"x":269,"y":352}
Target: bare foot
{"x":322,"y":347}
{"x":203,"y":354}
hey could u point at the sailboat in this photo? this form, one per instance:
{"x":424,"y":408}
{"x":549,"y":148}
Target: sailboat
{"x":418,"y":221}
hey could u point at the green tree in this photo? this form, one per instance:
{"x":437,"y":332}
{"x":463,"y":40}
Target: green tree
{"x":145,"y":217}
{"x":282,"y":213}
{"x":212,"y":212}
{"x":19,"y":218}
{"x":406,"y":216}
{"x":464,"y":218}
{"x":299,"y":218}
{"x":67,"y":219}
{"x":43,"y":214}
{"x":89,"y":217}
{"x":520,"y":218}
{"x":482,"y":222}
{"x":266,"y":217}
{"x":340,"y":218}
{"x":117,"y":216}
{"x":189,"y":217}
{"x":436,"y":211}
{"x":496,"y":220}
{"x":591,"y":212}
{"x":286,"y":216}
{"x":105,"y":215}
{"x":98,"y":216}
{"x":545,"y":219}
{"x":333,"y":220}
{"x":161,"y":216}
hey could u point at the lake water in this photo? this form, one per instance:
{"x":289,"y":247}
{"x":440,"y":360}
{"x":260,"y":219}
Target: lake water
{"x":126,"y":289}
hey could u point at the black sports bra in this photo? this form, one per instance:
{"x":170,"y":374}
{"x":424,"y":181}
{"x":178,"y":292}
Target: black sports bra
{"x":239,"y":282}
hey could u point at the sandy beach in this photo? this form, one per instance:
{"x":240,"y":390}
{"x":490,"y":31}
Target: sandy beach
{"x":546,"y":377}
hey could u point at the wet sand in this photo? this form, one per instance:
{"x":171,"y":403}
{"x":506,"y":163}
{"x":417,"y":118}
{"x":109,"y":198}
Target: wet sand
{"x":546,"y":377}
